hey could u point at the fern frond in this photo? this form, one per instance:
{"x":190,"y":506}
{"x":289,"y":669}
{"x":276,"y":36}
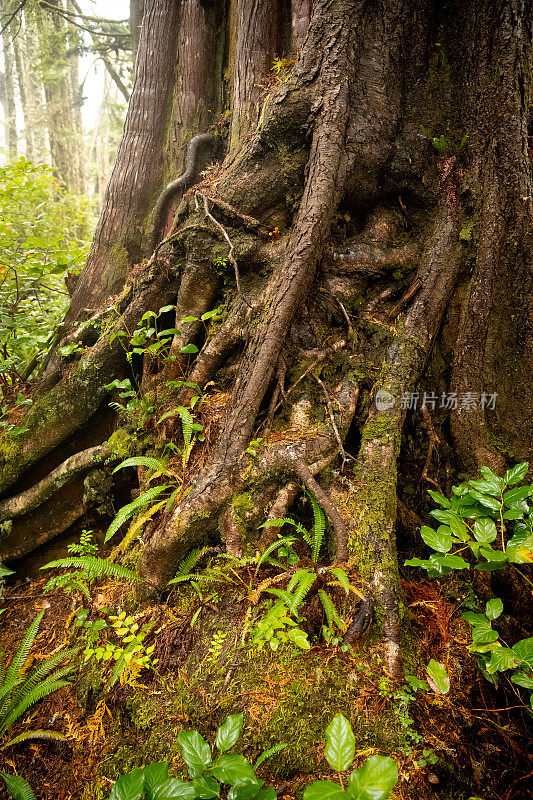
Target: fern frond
{"x":342,"y":577}
{"x":186,"y":566}
{"x":45,"y":688}
{"x":191,"y":577}
{"x":143,"y":461}
{"x":331,"y":612}
{"x":46,"y":670}
{"x":129,"y":510}
{"x":279,"y":522}
{"x":303,"y":589}
{"x":270,"y":549}
{"x":95,"y":567}
{"x":137,"y":526}
{"x":297,"y":577}
{"x":186,"y":424}
{"x":17,"y":787}
{"x":319,"y":527}
{"x":51,"y":736}
{"x":16,"y":666}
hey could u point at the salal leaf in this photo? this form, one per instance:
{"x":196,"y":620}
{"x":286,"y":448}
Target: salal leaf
{"x":229,"y":732}
{"x":524,"y":651}
{"x":494,"y":608}
{"x":485,"y":530}
{"x":516,"y":474}
{"x":502,"y":658}
{"x":206,"y":787}
{"x":245,"y":791}
{"x":129,"y":786}
{"x":523,"y":679}
{"x":439,"y":498}
{"x":172,"y":789}
{"x":154,"y":774}
{"x":340,"y":743}
{"x":438,"y":677}
{"x":195,"y":751}
{"x":375,"y":780}
{"x":324,"y":790}
{"x":442,"y":542}
{"x":486,"y":500}
{"x":266,"y":794}
{"x":233,"y":768}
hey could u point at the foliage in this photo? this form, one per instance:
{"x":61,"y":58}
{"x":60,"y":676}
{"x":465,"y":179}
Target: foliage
{"x":443,"y":146}
{"x":44,"y":232}
{"x":91,"y":568}
{"x":280,"y":624}
{"x":473,"y":519}
{"x":20,"y":689}
{"x":18,"y":788}
{"x":81,"y":579}
{"x":373,"y":781}
{"x":207,"y":774}
{"x":129,"y":657}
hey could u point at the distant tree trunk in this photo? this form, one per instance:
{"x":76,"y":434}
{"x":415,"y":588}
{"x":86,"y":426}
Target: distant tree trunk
{"x":9,"y":86}
{"x":35,"y":121}
{"x":22,"y":80}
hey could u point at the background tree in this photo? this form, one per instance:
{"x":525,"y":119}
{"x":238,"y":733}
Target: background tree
{"x":377,"y":196}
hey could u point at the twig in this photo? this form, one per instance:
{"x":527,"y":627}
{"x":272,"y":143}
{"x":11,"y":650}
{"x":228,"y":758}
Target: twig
{"x":433,"y":442}
{"x":344,"y":455}
{"x":404,"y":299}
{"x":223,"y":231}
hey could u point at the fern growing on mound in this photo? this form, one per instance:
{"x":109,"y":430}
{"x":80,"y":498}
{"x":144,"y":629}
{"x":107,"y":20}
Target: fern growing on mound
{"x":94,"y":568}
{"x":19,"y":691}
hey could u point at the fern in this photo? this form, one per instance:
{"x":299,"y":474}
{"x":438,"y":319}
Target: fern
{"x":288,"y":540}
{"x":128,"y":511}
{"x":95,"y":567}
{"x":143,"y":461}
{"x":304,"y":583}
{"x":318,"y":529}
{"x":17,"y":787}
{"x":331,"y":612}
{"x":19,"y":691}
{"x":342,"y":577}
{"x":186,"y":566}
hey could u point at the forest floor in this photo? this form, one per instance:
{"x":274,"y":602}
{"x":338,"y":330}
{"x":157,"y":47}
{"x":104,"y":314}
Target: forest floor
{"x":478,"y":735}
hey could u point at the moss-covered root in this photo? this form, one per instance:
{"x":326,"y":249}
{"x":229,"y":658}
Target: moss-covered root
{"x":373,"y":541}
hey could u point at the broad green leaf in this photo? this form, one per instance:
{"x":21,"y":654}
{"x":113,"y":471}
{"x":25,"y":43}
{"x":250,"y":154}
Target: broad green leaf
{"x":266,"y":794}
{"x":485,"y":530}
{"x":514,"y":495}
{"x":195,"y":751}
{"x":453,"y":562}
{"x":206,"y":787}
{"x":438,"y":541}
{"x":494,"y":608}
{"x":233,"y":768}
{"x":129,"y":786}
{"x":524,"y":651}
{"x":154,"y":774}
{"x":340,"y":743}
{"x":325,"y":790}
{"x":172,"y":789}
{"x":299,"y":637}
{"x":523,"y":679}
{"x":229,"y":732}
{"x":439,"y":677}
{"x":486,"y":500}
{"x":516,"y":474}
{"x":439,"y":498}
{"x":245,"y":790}
{"x":502,"y":658}
{"x":375,"y":780}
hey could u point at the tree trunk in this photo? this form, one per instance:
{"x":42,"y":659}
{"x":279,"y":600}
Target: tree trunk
{"x":368,"y":191}
{"x":8,"y":93}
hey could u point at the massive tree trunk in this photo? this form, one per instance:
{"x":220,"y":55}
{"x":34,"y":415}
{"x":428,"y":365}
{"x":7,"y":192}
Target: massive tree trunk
{"x":367,"y":237}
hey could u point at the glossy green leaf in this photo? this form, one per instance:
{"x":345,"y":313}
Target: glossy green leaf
{"x":485,"y":530}
{"x":516,"y":474}
{"x":229,"y":732}
{"x":245,"y":790}
{"x":438,"y":676}
{"x":375,"y":780}
{"x":195,"y":751}
{"x":523,"y":679}
{"x":206,"y":787}
{"x":154,"y":774}
{"x":502,"y":658}
{"x":172,"y":789}
{"x":437,"y":541}
{"x":524,"y":650}
{"x":324,"y":790}
{"x":129,"y":786}
{"x":340,"y":743}
{"x":494,"y":608}
{"x":232,"y":768}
